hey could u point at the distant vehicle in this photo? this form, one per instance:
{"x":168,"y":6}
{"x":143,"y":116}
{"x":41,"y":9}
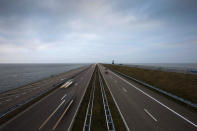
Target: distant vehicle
{"x":67,"y":84}
{"x":106,"y":72}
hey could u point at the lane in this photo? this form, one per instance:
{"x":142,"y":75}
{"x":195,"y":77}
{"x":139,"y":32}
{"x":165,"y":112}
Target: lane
{"x":44,"y":123}
{"x":13,"y":97}
{"x":32,"y":118}
{"x":140,"y":107}
{"x":80,"y":88}
{"x":56,"y":124}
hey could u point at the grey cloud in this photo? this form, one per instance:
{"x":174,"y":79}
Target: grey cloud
{"x":90,"y":27}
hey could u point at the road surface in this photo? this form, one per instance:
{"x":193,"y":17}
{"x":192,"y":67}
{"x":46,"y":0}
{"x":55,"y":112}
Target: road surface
{"x":53,"y":112}
{"x":17,"y":96}
{"x":146,"y":110}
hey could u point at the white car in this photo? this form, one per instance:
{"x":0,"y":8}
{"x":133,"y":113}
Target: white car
{"x":67,"y":84}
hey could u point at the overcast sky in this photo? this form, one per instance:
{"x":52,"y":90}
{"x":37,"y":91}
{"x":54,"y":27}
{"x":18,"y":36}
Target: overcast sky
{"x":128,"y":31}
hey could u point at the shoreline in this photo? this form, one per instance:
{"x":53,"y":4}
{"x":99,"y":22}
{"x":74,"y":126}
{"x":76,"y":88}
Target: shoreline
{"x":41,"y":80}
{"x":26,"y":83}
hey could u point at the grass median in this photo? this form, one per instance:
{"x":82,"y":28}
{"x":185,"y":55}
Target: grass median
{"x":98,"y":118}
{"x":98,"y":114}
{"x":179,"y":84}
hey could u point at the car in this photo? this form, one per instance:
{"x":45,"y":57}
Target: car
{"x":67,"y":84}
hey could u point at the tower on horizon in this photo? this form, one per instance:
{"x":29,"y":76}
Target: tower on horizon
{"x":112,"y":61}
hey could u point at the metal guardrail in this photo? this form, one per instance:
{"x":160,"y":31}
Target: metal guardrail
{"x":37,"y":96}
{"x":108,"y":116}
{"x":88,"y":117}
{"x":160,"y":90}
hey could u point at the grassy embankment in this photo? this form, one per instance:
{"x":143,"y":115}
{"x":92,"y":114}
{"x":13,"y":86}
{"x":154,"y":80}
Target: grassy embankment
{"x":179,"y":84}
{"x":98,"y":116}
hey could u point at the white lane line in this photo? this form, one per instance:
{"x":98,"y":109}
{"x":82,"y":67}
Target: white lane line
{"x":56,"y":124}
{"x":150,"y":115}
{"x":125,"y":90}
{"x":157,"y":101}
{"x":64,"y":96}
{"x":51,"y":115}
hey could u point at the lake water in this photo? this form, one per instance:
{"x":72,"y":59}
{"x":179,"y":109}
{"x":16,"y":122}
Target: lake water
{"x":16,"y":75}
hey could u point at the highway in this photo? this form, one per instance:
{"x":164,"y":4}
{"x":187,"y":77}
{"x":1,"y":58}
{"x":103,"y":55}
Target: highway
{"x":55,"y":111}
{"x":13,"y":97}
{"x":145,"y":110}
{"x":141,"y":109}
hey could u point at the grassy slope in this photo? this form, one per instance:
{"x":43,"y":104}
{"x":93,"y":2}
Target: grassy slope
{"x":183,"y":85}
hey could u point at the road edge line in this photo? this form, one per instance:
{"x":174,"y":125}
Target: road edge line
{"x":161,"y":91}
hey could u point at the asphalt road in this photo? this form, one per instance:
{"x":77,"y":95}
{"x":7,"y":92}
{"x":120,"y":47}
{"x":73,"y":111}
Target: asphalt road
{"x":146,"y":110}
{"x":19,"y":95}
{"x":55,"y":111}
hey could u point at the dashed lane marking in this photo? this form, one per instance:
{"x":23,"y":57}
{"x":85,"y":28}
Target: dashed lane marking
{"x":150,"y":115}
{"x":56,"y":124}
{"x":51,"y":115}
